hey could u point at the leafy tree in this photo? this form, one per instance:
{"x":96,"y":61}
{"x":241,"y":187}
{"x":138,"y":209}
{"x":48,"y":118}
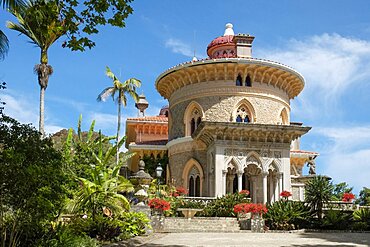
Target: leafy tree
{"x":45,"y":21}
{"x":32,"y":182}
{"x":317,"y":192}
{"x":364,"y":197}
{"x":152,"y":162}
{"x":339,"y":190}
{"x":41,"y":22}
{"x":121,"y":89}
{"x":100,"y":184}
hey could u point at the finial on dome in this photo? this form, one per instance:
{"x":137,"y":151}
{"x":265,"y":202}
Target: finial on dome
{"x":229,"y":29}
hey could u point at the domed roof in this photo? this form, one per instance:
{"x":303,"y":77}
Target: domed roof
{"x":217,"y":48}
{"x":164,"y":111}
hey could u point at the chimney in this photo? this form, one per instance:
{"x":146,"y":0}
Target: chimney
{"x":243,"y":44}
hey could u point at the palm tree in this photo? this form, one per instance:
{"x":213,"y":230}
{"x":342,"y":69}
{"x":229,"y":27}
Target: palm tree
{"x":4,"y":42}
{"x":317,"y":192}
{"x":41,"y":22}
{"x":121,"y":88}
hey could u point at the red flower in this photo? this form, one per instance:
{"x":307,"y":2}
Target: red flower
{"x":250,"y":208}
{"x":181,"y":191}
{"x":158,"y":203}
{"x":285,"y":194}
{"x":348,"y":197}
{"x":244,"y":192}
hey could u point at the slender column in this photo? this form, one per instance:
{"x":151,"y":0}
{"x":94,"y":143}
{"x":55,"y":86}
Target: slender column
{"x":276,"y":187}
{"x":224,"y":172}
{"x":240,"y":181}
{"x":272,"y":196}
{"x":254,"y":188}
{"x":219,"y":164}
{"x":280,"y":183}
{"x":230,"y":183}
{"x":264,"y":185}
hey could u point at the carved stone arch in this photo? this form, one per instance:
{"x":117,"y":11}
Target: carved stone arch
{"x":248,"y":106}
{"x":284,"y":117}
{"x":274,"y":166}
{"x":253,"y":158}
{"x":188,"y":114}
{"x":188,"y":168}
{"x":235,"y":161}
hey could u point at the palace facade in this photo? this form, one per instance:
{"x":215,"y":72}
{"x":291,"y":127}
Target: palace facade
{"x":227,"y":124}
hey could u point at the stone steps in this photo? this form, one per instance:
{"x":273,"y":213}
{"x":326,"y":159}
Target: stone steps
{"x":201,"y":224}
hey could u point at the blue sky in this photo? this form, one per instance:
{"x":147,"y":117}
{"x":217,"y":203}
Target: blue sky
{"x":327,"y":41}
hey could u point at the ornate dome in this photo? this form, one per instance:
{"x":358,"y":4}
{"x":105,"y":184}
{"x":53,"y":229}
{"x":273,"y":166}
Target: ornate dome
{"x":223,"y":46}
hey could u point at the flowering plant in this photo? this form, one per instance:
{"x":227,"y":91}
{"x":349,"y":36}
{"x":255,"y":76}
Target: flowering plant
{"x":250,"y":208}
{"x":244,"y":192}
{"x":158,"y":203}
{"x":348,"y":197}
{"x":180,"y":191}
{"x":285,"y":194}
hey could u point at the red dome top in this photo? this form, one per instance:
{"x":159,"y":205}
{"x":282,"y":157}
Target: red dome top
{"x":222,"y":46}
{"x":221,"y":41}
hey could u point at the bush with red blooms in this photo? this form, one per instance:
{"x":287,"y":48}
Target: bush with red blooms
{"x":180,"y":191}
{"x":285,"y":194}
{"x":244,"y":192}
{"x":158,"y":203}
{"x":348,"y":197}
{"x":256,"y":208}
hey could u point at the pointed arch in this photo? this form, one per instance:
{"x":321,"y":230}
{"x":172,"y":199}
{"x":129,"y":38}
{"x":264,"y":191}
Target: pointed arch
{"x":238,"y":165}
{"x":238,"y":81}
{"x":253,"y":158}
{"x":243,"y":112}
{"x":193,"y":116}
{"x":248,"y":81}
{"x":284,"y":118}
{"x":193,"y":171}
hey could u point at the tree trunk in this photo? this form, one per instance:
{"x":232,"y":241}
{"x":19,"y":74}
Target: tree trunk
{"x":118,"y":128}
{"x":41,"y":120}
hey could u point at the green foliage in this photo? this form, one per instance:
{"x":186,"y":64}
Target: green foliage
{"x":2,"y":86}
{"x":287,"y":215}
{"x":339,"y":190}
{"x":364,"y":197}
{"x":362,"y":218}
{"x":133,"y":224}
{"x":63,"y":236}
{"x":317,"y":192}
{"x":125,"y":226}
{"x":337,"y":220}
{"x":100,"y":185}
{"x":223,"y":206}
{"x":152,"y":162}
{"x":32,"y":182}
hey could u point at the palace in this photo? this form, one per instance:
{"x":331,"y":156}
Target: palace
{"x":227,"y":124}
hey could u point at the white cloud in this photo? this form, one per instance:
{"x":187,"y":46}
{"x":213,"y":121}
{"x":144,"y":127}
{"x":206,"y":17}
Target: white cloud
{"x":25,"y":111}
{"x":103,"y":121}
{"x":180,"y":47}
{"x":330,"y":63}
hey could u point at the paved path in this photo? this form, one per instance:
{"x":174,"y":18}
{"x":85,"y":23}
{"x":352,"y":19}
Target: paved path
{"x":298,"y":239}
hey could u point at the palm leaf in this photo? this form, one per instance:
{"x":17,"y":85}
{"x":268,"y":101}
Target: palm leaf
{"x":109,"y":91}
{"x":91,"y":131}
{"x":4,"y":45}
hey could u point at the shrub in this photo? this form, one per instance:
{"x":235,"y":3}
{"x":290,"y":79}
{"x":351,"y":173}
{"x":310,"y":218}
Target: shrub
{"x":223,"y":206}
{"x":158,"y":203}
{"x":362,"y":218}
{"x":337,"y":220}
{"x":287,"y":215}
{"x":133,"y":224}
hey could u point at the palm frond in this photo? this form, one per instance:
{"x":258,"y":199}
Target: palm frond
{"x":109,"y":91}
{"x":4,"y":45}
{"x":110,"y":74}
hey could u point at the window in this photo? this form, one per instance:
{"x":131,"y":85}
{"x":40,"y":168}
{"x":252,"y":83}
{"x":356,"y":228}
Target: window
{"x":194,"y":182}
{"x":239,"y":80}
{"x":242,"y":115}
{"x":195,"y":120}
{"x":248,"y":81}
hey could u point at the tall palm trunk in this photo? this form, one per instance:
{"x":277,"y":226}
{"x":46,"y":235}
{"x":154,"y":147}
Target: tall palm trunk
{"x":118,"y":128}
{"x":43,"y":71}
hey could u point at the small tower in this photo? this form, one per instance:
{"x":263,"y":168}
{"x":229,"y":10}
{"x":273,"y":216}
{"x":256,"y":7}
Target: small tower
{"x":142,"y":104}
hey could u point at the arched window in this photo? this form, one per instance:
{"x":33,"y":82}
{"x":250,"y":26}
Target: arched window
{"x":248,"y":81}
{"x":192,"y":117}
{"x":166,"y":114}
{"x":194,"y":182}
{"x":242,"y":114}
{"x":239,"y":80}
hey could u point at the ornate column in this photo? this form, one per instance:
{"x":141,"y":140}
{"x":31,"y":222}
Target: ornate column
{"x":280,"y":183}
{"x":264,"y":186}
{"x":272,"y":195}
{"x":254,"y":188}
{"x":276,"y":187}
{"x":240,"y":180}
{"x":230,"y":183}
{"x":224,"y":172}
